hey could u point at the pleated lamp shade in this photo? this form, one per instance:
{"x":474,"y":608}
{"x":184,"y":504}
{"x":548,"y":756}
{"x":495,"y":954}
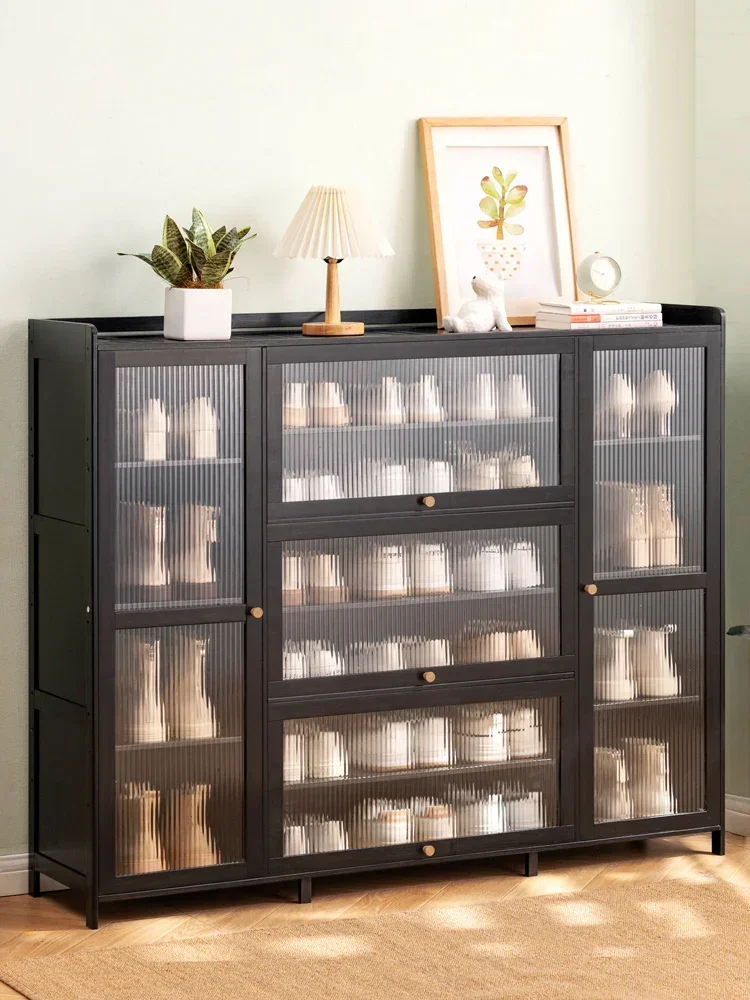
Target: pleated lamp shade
{"x":333,"y":222}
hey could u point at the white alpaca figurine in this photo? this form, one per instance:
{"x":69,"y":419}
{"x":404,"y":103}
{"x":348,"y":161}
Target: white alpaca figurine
{"x":484,"y":313}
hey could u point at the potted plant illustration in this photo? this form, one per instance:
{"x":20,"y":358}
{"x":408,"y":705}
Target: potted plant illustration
{"x":196,"y":305}
{"x":503,"y":201}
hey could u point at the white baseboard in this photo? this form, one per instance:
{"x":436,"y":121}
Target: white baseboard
{"x":737,"y":815}
{"x":14,"y":876}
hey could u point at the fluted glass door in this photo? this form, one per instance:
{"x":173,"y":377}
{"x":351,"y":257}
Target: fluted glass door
{"x":649,"y":462}
{"x":419,"y":601}
{"x":179,"y":486}
{"x":179,"y":747}
{"x":356,"y":430}
{"x":649,"y":705}
{"x":383,"y":779}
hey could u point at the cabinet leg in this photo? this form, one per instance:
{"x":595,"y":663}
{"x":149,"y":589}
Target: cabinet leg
{"x":92,"y":912}
{"x":304,"y":890}
{"x":531,"y":864}
{"x":718,"y":842}
{"x":35,"y":883}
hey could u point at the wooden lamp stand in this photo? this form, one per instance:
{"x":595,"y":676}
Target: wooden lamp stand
{"x":333,"y":327}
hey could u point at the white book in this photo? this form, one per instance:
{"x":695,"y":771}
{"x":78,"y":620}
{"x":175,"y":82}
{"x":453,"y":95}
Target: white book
{"x":581,"y":308}
{"x":560,"y":324}
{"x":590,"y":319}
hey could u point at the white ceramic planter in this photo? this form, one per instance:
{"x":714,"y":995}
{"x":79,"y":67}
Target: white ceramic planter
{"x":502,"y":257}
{"x":198,"y":313}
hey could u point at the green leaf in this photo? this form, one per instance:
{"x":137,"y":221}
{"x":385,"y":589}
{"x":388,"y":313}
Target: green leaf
{"x":218,"y":234}
{"x":140,"y":256}
{"x":739,"y":630}
{"x":173,"y":240}
{"x":513,"y":229}
{"x":489,"y":207}
{"x":169,"y":266}
{"x":202,"y":233}
{"x":486,"y":223}
{"x":229,"y":241}
{"x":516,"y":194}
{"x":243,"y":231}
{"x":489,"y":188}
{"x":498,"y":175}
{"x":509,"y":178}
{"x":511,"y":210}
{"x":215,"y":269}
{"x":197,"y":257}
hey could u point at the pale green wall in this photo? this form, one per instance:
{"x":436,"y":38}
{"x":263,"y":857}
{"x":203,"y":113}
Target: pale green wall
{"x":107,"y":125}
{"x":722,"y":85}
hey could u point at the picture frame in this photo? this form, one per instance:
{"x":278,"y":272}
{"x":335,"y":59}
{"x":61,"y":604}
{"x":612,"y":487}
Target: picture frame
{"x":466,"y":162}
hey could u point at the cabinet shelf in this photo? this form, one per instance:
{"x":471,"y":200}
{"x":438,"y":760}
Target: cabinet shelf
{"x":662,"y":439}
{"x":455,"y":597}
{"x":179,"y":744}
{"x":679,"y":699}
{"x":178,"y":463}
{"x":439,"y":424}
{"x":408,"y":774}
{"x":646,"y":572}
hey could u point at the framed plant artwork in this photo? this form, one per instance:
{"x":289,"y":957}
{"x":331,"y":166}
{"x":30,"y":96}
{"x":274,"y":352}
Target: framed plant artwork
{"x":498,"y":199}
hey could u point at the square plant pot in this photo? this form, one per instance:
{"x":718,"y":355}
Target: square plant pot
{"x":198,"y":313}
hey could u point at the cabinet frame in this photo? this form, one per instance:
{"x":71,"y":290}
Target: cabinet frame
{"x":72,"y":488}
{"x":426,"y":697}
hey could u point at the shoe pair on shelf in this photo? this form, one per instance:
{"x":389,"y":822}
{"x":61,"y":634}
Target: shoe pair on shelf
{"x":646,"y":410}
{"x":632,"y":782}
{"x":159,"y":546}
{"x":639,"y":528}
{"x":151,"y":434}
{"x":634,"y":663}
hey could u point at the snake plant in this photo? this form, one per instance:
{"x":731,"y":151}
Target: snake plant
{"x":199,"y":259}
{"x":501,"y":203}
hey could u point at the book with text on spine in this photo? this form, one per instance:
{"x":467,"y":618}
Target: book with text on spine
{"x":603,"y":318}
{"x":561,"y":323}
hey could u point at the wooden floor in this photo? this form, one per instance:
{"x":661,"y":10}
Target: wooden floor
{"x":49,"y":926}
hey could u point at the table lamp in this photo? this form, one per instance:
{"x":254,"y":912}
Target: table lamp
{"x":333,"y":223}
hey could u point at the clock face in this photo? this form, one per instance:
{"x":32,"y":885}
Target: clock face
{"x":598,"y":275}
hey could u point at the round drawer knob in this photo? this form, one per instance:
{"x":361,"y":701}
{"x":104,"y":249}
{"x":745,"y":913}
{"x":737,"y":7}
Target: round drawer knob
{"x":256,"y":612}
{"x":428,"y":850}
{"x":427,"y":501}
{"x":429,"y":677}
{"x":591,"y":588}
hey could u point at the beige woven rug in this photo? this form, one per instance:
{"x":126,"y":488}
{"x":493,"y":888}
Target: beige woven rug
{"x":657,"y":941}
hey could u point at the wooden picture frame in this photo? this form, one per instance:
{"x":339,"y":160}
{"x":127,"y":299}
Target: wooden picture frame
{"x":543,"y":145}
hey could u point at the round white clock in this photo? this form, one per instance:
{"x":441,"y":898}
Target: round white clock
{"x":598,"y":276}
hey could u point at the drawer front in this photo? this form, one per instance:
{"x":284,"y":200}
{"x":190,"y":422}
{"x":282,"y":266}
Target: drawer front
{"x":445,"y":773}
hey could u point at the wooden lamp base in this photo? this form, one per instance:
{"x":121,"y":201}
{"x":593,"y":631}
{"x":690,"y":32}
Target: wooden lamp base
{"x":333,"y":327}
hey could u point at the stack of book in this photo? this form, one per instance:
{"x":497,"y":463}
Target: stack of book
{"x":597,"y":315}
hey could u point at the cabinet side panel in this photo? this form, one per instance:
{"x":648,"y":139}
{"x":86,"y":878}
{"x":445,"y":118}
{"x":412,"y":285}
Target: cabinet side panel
{"x":62,"y":444}
{"x":62,"y":573}
{"x":62,"y":796}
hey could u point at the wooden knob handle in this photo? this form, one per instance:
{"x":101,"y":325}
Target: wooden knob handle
{"x":429,"y":676}
{"x":427,"y":501}
{"x":591,"y":588}
{"x":256,"y":612}
{"x":428,"y":850}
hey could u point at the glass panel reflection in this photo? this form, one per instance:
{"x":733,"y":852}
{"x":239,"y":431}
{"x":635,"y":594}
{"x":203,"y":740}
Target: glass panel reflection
{"x":648,"y":462}
{"x":179,"y":747}
{"x":432,"y":425}
{"x":649,"y":705}
{"x":179,"y":465}
{"x":385,"y":778}
{"x":404,"y":602}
